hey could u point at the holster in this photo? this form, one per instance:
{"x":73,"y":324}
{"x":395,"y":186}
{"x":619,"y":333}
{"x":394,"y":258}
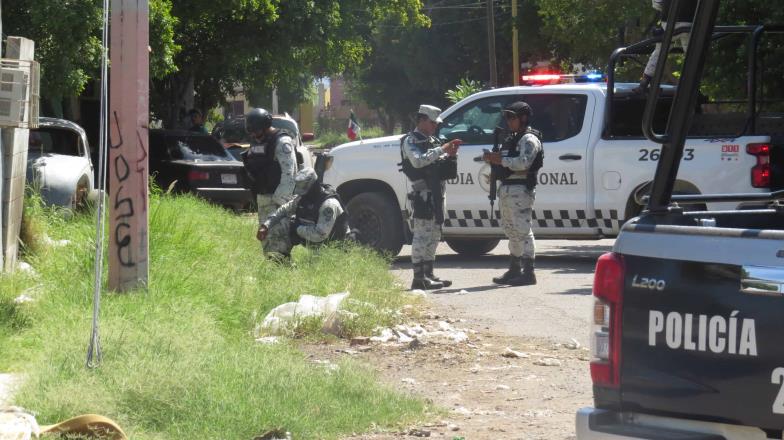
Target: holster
{"x":423,"y":208}
{"x":294,"y":238}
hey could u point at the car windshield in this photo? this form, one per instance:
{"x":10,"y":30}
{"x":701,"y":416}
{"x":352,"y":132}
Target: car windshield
{"x":50,"y":140}
{"x":202,"y":148}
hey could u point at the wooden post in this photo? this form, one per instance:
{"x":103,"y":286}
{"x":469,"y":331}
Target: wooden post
{"x":14,"y":163}
{"x":515,"y":47}
{"x":129,"y":138}
{"x":491,"y":44}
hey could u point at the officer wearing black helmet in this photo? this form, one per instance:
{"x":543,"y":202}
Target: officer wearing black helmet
{"x":517,"y":166}
{"x":270,"y":164}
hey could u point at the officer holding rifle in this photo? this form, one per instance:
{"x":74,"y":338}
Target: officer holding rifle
{"x":516,"y":164}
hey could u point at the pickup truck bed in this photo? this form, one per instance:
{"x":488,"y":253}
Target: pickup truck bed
{"x":696,"y":342}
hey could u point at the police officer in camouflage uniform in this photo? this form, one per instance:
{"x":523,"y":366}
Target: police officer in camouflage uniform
{"x":270,"y":165}
{"x":520,"y":159}
{"x":315,"y":215}
{"x":423,"y":156}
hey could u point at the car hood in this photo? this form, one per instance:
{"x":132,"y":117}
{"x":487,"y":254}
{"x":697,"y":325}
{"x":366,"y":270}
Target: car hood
{"x":57,"y":164}
{"x":57,"y":175}
{"x":369,"y":143}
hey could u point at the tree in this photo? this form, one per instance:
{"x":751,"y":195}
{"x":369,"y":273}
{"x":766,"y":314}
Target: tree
{"x":68,"y":46}
{"x":414,"y":65}
{"x":261,"y":44}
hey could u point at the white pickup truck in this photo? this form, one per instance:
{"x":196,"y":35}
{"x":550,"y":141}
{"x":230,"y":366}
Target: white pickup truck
{"x":596,"y":168}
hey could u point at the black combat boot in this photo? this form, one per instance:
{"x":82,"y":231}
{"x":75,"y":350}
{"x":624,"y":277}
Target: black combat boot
{"x":421,"y":281}
{"x":429,"y":274}
{"x":514,"y":271}
{"x":527,"y":278}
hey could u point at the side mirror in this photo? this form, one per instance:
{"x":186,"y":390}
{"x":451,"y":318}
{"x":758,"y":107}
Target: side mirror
{"x":307,"y":137}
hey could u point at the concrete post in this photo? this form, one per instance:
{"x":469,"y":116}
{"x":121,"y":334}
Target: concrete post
{"x":14,"y":164}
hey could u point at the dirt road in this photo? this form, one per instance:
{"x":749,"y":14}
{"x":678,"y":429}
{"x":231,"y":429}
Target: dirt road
{"x":522,"y":372}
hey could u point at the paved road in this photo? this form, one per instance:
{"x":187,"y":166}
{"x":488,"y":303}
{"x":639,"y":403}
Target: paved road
{"x":558,"y":308}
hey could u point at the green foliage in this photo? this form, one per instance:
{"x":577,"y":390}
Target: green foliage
{"x":331,"y":139}
{"x":179,"y":359}
{"x":67,"y":37}
{"x":465,"y":88}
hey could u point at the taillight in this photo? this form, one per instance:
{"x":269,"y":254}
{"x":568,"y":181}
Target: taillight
{"x":606,"y":321}
{"x":198,"y":175}
{"x":760,"y":174}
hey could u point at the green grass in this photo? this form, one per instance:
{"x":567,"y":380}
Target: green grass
{"x":179,"y":359}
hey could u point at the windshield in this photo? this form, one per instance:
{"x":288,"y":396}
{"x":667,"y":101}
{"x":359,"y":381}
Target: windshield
{"x":203,"y":148}
{"x":50,"y":140}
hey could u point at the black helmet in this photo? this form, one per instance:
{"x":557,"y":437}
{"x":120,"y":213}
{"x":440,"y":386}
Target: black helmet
{"x":257,"y":120}
{"x":520,"y":108}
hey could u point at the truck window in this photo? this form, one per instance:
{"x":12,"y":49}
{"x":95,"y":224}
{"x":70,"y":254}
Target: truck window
{"x":557,"y":116}
{"x":474,"y":123}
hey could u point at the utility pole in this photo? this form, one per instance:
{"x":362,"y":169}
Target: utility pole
{"x":515,"y":47}
{"x":129,"y":139}
{"x":491,"y":44}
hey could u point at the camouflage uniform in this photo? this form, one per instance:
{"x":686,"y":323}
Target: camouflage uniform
{"x":427,"y":234}
{"x":285,"y":155}
{"x":330,"y":215}
{"x":517,"y":201}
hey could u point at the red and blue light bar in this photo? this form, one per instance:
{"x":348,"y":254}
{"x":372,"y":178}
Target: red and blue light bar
{"x":556,"y":78}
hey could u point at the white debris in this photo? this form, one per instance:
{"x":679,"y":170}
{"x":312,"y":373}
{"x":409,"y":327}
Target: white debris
{"x":268,"y":340}
{"x":463,"y":411}
{"x":289,"y":315}
{"x":538,"y":413}
{"x":23,"y":299}
{"x":574,"y":344}
{"x":55,"y":243}
{"x":25,"y":267}
{"x":548,"y":362}
{"x":509,"y":353}
{"x":462,"y":292}
{"x":418,"y":293}
{"x":18,"y":424}
{"x":406,"y":334}
{"x":327,"y":364}
{"x":408,"y":381}
{"x":503,"y":388}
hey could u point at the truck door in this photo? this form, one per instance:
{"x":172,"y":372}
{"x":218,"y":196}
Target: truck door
{"x":468,"y":208}
{"x":565,"y":120}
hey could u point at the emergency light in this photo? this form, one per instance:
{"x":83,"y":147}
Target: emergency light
{"x":540,"y":79}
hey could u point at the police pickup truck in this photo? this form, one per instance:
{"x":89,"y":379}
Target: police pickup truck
{"x":687,"y":322}
{"x":597,"y":167}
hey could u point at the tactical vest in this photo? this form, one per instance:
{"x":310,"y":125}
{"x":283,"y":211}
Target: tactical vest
{"x":309,"y":208}
{"x":261,"y":168}
{"x":445,"y":169}
{"x":511,"y":145}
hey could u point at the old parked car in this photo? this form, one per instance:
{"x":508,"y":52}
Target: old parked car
{"x":231,"y":133}
{"x":58,"y":163}
{"x":187,"y":161}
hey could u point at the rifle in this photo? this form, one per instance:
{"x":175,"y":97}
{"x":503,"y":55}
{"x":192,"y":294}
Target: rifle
{"x":494,"y":169}
{"x":494,"y":172}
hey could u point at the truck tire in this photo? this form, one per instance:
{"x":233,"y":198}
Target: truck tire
{"x":377,"y":220}
{"x":472,"y":247}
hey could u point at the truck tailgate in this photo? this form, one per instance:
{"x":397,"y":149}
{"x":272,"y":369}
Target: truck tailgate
{"x":700,"y":338}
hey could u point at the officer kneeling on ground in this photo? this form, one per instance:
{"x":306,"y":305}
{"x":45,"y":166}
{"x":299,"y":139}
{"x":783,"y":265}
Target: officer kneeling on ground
{"x":427,"y":164}
{"x":315,"y":215}
{"x":270,"y":165}
{"x":517,"y":166}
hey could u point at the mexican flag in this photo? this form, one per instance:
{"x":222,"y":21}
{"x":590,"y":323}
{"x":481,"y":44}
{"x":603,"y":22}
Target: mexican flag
{"x":353,"y":128}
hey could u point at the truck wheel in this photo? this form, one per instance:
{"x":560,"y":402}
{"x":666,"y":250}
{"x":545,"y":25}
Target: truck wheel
{"x":377,"y":220}
{"x":472,"y":247}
